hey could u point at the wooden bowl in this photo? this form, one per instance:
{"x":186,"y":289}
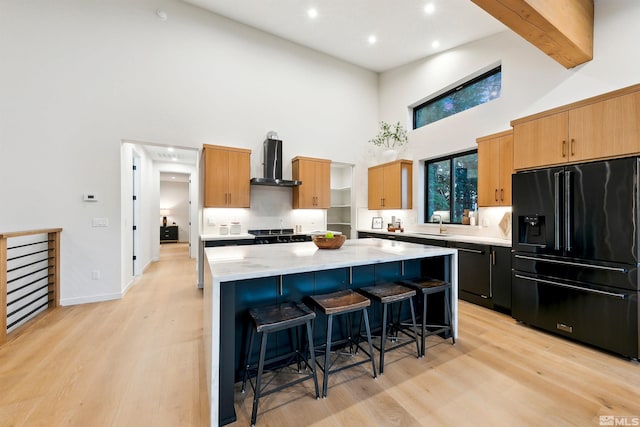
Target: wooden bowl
{"x":329,"y":243}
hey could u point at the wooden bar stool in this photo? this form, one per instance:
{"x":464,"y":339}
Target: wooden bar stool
{"x":272,"y":319}
{"x":387,"y":294}
{"x":335,"y":304}
{"x":429,"y":287}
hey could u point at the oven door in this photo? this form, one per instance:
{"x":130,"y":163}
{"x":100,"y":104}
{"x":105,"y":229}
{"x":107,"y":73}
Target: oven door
{"x":602,"y":316}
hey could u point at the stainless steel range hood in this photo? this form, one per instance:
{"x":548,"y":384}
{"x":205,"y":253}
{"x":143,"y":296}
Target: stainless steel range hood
{"x":272,"y":163}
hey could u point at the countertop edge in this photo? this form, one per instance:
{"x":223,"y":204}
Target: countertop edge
{"x":481,"y":240}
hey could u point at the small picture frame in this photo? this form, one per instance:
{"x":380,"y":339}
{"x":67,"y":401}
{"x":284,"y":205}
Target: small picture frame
{"x":376,"y":222}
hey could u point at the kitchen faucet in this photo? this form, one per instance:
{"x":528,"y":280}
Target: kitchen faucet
{"x":442,"y":229}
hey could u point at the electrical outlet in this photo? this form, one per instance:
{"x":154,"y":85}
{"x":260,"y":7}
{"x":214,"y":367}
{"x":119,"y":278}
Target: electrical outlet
{"x":95,"y":275}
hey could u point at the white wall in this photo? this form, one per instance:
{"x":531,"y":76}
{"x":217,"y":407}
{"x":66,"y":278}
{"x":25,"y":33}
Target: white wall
{"x":531,"y":82}
{"x":80,"y":77}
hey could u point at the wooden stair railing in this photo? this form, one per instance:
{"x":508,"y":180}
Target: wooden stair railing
{"x":29,"y":276}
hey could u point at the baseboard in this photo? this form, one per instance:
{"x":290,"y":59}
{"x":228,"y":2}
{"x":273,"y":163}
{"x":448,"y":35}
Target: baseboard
{"x":90,"y":299}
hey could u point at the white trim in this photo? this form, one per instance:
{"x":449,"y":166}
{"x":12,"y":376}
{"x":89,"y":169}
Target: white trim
{"x":90,"y":299}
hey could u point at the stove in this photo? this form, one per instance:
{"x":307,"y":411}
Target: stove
{"x":278,"y":235}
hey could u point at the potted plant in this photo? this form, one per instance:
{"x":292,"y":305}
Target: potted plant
{"x":390,"y":138}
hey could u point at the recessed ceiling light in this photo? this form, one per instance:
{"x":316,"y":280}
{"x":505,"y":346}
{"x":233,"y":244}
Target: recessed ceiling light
{"x":175,"y":159}
{"x":173,"y":177}
{"x":312,"y":13}
{"x":170,"y":149}
{"x":435,"y":44}
{"x":161,"y":14}
{"x":429,"y":8}
{"x":372,"y":39}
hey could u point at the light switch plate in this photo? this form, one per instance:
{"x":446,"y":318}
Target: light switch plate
{"x":100,"y":222}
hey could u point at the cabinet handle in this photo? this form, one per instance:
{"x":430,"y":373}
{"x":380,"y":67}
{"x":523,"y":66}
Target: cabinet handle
{"x":493,"y":257}
{"x":226,"y":198}
{"x":502,"y":194}
{"x":573,"y":146}
{"x":495,"y":195}
{"x":229,"y":198}
{"x":564,"y":147}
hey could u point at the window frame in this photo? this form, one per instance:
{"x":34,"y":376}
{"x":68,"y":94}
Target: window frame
{"x":458,"y":87}
{"x":448,"y":158}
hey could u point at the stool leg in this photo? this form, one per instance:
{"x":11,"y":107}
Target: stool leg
{"x":415,"y":328}
{"x":449,"y":308}
{"x":424,"y":325}
{"x":256,"y":394}
{"x":248,"y":359}
{"x":365,"y":316}
{"x":383,"y":338}
{"x":327,"y":356}
{"x":312,"y":354}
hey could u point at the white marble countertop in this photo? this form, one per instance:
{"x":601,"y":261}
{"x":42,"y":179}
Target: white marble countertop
{"x":245,"y":262}
{"x":449,"y":237}
{"x":242,"y":236}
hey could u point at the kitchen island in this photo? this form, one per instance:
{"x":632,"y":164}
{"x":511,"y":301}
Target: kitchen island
{"x":240,"y":277}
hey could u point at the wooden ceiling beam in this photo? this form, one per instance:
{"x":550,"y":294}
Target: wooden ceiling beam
{"x":563,"y":29}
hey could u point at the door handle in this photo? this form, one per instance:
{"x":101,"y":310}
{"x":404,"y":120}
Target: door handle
{"x":567,"y":211}
{"x":577,"y":288}
{"x":473,"y":251}
{"x":556,"y":211}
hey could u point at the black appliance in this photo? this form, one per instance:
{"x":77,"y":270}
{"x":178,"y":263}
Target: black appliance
{"x":272,"y":165}
{"x":575,"y":252}
{"x":278,"y":235}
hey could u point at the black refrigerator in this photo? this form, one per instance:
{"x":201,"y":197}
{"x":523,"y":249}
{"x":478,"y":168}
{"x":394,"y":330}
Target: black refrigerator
{"x":575,"y":252}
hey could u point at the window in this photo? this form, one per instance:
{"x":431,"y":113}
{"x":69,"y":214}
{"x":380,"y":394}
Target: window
{"x":452,"y":187}
{"x":476,"y":91}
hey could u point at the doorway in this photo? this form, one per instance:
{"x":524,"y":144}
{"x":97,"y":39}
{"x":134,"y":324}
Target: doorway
{"x":141,"y":166}
{"x":175,"y":204}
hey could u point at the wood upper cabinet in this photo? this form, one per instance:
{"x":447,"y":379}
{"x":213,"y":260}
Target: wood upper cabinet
{"x":315,"y":190}
{"x":541,"y":142}
{"x":227,"y":177}
{"x":495,"y":167}
{"x":390,"y":185}
{"x":602,"y":127}
{"x":605,"y":129}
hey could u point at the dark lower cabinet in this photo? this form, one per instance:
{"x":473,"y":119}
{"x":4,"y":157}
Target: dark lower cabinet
{"x":484,"y":271}
{"x":501,"y":278}
{"x":474,"y":273}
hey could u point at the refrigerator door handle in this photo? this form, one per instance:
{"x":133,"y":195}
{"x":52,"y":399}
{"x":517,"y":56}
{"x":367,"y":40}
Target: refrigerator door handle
{"x":578,"y":288}
{"x":573,"y":264}
{"x":567,"y":211}
{"x":556,"y":210}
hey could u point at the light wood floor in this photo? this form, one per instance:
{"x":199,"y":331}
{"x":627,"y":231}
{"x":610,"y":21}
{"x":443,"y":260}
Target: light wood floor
{"x":138,"y":362}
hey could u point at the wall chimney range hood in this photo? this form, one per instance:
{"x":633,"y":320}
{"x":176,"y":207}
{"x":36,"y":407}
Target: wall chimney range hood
{"x":272,"y":163}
